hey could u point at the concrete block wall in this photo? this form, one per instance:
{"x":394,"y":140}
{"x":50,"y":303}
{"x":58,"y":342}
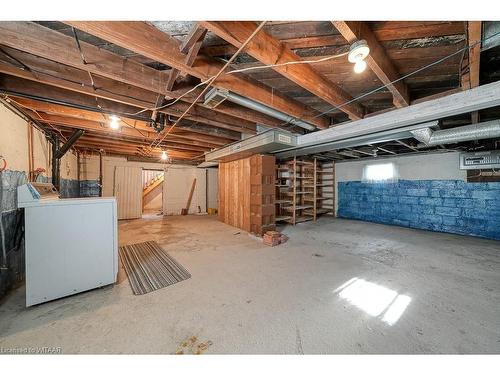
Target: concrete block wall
{"x":451,"y":206}
{"x":432,"y":193}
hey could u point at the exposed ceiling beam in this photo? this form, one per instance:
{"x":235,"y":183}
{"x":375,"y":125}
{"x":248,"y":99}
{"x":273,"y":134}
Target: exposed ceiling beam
{"x":102,"y":121}
{"x":415,"y":31}
{"x":76,"y":123}
{"x":54,"y":74}
{"x":137,"y":151}
{"x":95,"y":138}
{"x":474,"y":40}
{"x":190,"y":46}
{"x":474,"y":33}
{"x":52,"y":95}
{"x":146,"y":40}
{"x":269,"y":51}
{"x":52,"y":45}
{"x":377,"y":60}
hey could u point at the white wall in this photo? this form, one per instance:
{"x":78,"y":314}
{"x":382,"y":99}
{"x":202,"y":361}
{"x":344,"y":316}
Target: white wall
{"x":13,"y":140}
{"x":177,"y":186}
{"x":213,"y":187}
{"x":14,"y":147}
{"x":178,"y":180}
{"x":435,"y":166}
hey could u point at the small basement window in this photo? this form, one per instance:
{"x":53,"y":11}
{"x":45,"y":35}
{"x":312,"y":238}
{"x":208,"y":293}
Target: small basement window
{"x":380,"y":173}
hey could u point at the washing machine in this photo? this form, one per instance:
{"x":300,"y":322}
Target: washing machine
{"x":71,"y":243}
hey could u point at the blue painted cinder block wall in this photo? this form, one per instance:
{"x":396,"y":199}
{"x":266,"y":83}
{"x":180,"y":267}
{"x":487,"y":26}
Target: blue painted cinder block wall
{"x":452,"y":206}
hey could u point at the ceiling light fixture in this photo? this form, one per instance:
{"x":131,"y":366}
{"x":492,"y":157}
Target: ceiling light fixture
{"x":164,"y":155}
{"x":359,"y":66}
{"x":357,"y":54}
{"x":114,"y":122}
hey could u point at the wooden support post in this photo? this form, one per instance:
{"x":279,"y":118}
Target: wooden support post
{"x":294,"y":204}
{"x":315,"y":174}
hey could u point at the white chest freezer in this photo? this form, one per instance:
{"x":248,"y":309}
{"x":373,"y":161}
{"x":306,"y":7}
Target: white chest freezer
{"x":71,"y":244}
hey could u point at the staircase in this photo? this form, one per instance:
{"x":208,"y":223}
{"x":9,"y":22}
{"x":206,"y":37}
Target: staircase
{"x":151,"y":185}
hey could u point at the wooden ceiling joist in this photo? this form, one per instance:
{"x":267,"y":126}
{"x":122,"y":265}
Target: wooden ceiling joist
{"x":146,"y":40}
{"x":377,"y":60}
{"x":95,"y":138}
{"x":126,"y":142}
{"x":470,"y":79}
{"x":147,"y":137}
{"x":474,"y":41}
{"x":54,"y":74}
{"x":387,"y":31}
{"x":270,"y":51}
{"x":141,"y":126}
{"x":192,"y":131}
{"x":137,"y":151}
{"x":190,"y":46}
{"x":52,"y":45}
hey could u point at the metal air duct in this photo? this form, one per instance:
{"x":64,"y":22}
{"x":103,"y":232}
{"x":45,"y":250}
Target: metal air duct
{"x":216,"y":96}
{"x":271,"y":140}
{"x":483,"y":130}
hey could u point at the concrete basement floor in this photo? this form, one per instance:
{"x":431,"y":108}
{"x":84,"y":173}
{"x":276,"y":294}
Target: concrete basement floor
{"x":244,"y":297}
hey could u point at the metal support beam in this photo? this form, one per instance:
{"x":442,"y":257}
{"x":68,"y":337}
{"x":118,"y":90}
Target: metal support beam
{"x":56,"y":162}
{"x":70,"y":142}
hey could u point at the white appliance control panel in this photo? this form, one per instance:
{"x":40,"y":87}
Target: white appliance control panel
{"x":35,"y":192}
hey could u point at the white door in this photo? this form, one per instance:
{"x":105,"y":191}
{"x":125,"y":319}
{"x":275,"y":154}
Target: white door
{"x":128,"y":192}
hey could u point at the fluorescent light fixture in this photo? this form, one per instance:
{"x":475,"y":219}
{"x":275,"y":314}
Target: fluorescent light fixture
{"x":379,"y":172}
{"x":360,"y":66}
{"x":114,"y":122}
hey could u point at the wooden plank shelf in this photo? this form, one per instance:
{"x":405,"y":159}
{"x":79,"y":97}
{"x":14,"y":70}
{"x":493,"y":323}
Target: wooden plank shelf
{"x":305,"y":194}
{"x":302,"y":219}
{"x":318,"y":199}
{"x":297,"y":208}
{"x":283,"y":218}
{"x":283,"y":201}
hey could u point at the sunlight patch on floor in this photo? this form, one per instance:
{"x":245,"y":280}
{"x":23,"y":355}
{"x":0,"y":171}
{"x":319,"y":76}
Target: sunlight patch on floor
{"x":376,"y":300}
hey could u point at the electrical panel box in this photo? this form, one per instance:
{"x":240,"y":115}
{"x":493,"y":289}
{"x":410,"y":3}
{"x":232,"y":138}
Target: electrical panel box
{"x":480,"y":160}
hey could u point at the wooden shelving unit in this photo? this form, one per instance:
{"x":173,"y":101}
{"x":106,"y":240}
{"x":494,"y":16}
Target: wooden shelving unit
{"x":283,"y":199}
{"x":304,"y":190}
{"x":294,"y":189}
{"x":325,"y":189}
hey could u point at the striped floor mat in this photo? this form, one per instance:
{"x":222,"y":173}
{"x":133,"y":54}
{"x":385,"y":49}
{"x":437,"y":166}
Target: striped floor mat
{"x":149,"y":267}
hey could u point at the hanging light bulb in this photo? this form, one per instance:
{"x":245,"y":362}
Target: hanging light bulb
{"x":359,"y":66}
{"x":114,"y":122}
{"x":357,"y":54}
{"x":164,"y":155}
